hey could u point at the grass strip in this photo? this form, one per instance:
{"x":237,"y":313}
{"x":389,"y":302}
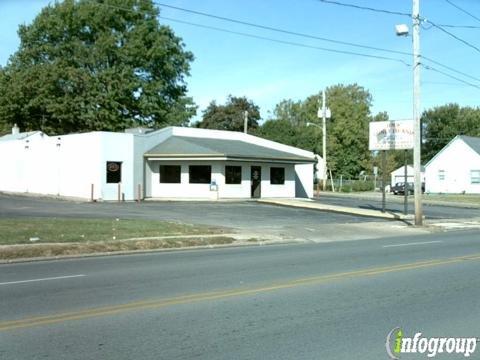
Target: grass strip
{"x":69,"y":230}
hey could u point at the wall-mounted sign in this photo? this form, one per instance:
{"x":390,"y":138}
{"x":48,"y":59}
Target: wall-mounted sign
{"x":391,"y":135}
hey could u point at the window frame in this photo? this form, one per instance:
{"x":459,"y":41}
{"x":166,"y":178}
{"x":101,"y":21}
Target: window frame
{"x":476,"y":177}
{"x":109,"y":173}
{"x":441,"y":175}
{"x":273,"y":176}
{"x":237,"y":177}
{"x":191,"y":167}
{"x":164,"y":166}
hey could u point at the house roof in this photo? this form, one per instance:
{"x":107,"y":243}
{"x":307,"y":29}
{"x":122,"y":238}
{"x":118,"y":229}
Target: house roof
{"x":471,"y":141}
{"x":196,"y":147}
{"x":19,"y":136}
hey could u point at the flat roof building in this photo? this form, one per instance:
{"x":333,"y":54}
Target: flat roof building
{"x":173,"y":163}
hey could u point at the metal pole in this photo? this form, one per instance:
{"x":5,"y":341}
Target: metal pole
{"x":416,"y":113}
{"x":384,"y":172}
{"x":405,"y":192}
{"x":245,"y":122}
{"x":324,"y":140}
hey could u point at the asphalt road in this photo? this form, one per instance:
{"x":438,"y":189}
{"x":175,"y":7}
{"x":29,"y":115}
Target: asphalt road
{"x":430,"y":211}
{"x":314,"y":301}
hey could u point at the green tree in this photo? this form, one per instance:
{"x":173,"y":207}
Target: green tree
{"x":96,"y":65}
{"x":283,"y":131}
{"x":347,"y":130}
{"x":291,"y":111}
{"x":231,"y":115}
{"x":441,"y":124}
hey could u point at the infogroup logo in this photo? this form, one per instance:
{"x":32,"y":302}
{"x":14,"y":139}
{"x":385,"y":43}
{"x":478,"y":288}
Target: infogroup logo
{"x":397,"y":344}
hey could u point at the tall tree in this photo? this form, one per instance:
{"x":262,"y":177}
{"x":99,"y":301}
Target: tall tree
{"x":96,"y":65}
{"x":291,"y":111}
{"x":441,"y":124}
{"x":231,"y":115}
{"x":347,"y":130}
{"x":285,"y":132}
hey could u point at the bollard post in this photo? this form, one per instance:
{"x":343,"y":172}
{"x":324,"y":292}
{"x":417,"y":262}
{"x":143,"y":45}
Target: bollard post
{"x":92,"y":192}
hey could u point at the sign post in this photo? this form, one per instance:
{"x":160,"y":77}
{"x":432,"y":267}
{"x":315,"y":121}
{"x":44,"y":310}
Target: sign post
{"x":391,"y":135}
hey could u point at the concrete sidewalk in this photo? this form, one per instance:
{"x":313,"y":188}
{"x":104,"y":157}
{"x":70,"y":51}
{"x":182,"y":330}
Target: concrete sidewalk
{"x":377,"y":196}
{"x":313,"y":205}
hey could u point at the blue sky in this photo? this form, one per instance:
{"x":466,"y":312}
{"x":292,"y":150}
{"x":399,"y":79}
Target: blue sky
{"x":268,"y":72}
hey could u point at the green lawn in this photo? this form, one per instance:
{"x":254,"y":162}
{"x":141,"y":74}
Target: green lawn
{"x":62,"y":230}
{"x":464,"y":198}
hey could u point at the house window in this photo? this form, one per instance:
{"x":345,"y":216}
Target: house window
{"x":170,"y":174}
{"x":277,"y":176}
{"x":475,"y":176}
{"x":441,"y":175}
{"x":114,"y":172}
{"x":233,"y":174}
{"x":200,"y":174}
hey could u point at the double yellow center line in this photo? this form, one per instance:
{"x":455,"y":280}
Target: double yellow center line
{"x":218,"y":295}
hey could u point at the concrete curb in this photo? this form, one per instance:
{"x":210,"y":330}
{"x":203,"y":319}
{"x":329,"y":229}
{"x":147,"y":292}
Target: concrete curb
{"x":337,"y":209}
{"x":238,"y":243}
{"x":397,"y":199}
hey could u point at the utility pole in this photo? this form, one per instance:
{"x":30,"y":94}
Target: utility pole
{"x":245,"y":121}
{"x":416,"y":113}
{"x":324,"y":140}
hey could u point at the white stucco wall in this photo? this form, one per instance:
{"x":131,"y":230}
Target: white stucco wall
{"x":457,"y":159}
{"x":304,"y":174}
{"x":67,"y":165}
{"x":225,"y":191}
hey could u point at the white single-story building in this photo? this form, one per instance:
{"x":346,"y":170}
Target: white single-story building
{"x":173,"y":162}
{"x":455,"y":168}
{"x":398,"y":175}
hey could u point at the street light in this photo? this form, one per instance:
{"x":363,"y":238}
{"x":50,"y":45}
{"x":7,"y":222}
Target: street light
{"x":324,"y":161}
{"x":324,"y":113}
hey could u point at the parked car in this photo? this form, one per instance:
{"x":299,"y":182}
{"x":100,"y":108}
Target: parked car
{"x":399,"y":188}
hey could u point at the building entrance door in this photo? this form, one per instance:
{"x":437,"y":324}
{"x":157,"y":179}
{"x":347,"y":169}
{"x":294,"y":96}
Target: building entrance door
{"x":256,"y":178}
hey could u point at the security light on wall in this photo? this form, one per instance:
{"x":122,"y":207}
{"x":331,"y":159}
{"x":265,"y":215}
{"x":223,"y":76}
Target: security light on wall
{"x":401,"y":30}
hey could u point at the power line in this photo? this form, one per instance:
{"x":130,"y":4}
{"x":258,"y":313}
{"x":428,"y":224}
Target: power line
{"x":443,"y":83}
{"x":284,"y":31}
{"x":285,"y":42}
{"x":393,"y":13}
{"x":450,"y":76}
{"x":358,"y":7}
{"x":453,"y":35}
{"x":463,"y":10}
{"x":459,"y":26}
{"x":295,"y":34}
{"x":450,"y":68}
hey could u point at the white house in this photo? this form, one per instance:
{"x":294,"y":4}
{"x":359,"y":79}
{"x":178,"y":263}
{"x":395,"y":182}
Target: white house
{"x":172,"y":162}
{"x":398,"y":175}
{"x":456,"y":168}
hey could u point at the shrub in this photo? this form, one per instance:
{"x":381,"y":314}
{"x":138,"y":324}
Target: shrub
{"x":363,"y":186}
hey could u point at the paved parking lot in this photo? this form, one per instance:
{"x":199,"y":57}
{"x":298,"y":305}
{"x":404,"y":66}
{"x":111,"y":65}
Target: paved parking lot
{"x":395,"y":204}
{"x":244,"y":216}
